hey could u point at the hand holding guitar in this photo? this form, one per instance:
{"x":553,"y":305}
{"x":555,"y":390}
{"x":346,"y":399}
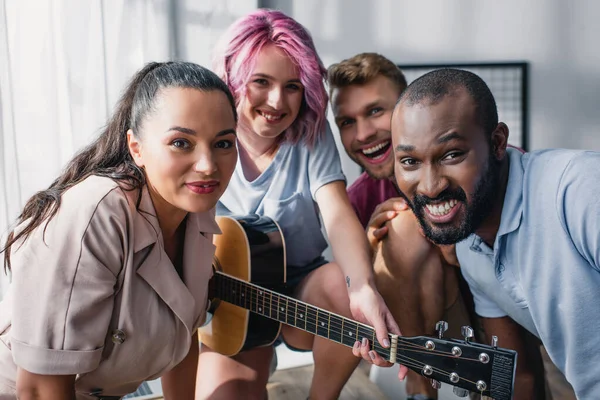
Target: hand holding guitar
{"x":367,"y":306}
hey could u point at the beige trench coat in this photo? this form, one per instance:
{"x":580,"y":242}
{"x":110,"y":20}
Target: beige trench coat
{"x":100,"y":298}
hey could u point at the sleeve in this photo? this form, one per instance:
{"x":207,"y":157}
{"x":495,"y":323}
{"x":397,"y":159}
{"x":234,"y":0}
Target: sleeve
{"x":324,"y":165}
{"x":578,"y":205}
{"x":64,"y":283}
{"x":484,"y":306}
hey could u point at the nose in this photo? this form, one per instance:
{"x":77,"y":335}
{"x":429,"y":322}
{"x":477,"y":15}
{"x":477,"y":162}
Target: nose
{"x":275,"y":98}
{"x":205,"y":164}
{"x":432,"y":181}
{"x":365,"y":130}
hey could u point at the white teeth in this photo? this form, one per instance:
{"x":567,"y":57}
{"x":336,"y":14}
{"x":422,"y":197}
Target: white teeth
{"x":271,"y":117}
{"x":441,"y":209}
{"x":373,"y":149}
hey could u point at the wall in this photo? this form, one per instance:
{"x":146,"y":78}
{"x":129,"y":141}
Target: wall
{"x":556,"y":37}
{"x":200,"y":23}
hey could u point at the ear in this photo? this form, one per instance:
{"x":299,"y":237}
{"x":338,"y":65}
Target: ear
{"x":135,"y":148}
{"x":499,"y":140}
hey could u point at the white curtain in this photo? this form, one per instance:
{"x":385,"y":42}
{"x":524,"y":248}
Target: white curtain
{"x":63,"y":64}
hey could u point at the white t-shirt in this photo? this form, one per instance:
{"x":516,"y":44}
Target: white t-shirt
{"x":285,"y":192}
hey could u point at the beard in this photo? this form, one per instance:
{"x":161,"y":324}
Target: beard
{"x":484,"y":196}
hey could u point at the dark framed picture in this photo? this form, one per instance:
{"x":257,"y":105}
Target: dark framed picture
{"x":508,"y":82}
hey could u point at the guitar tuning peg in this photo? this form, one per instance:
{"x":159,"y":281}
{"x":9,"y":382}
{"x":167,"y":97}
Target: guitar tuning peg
{"x":467,"y":332}
{"x":460,"y":392}
{"x":435,"y":384}
{"x":494,"y":341}
{"x":441,"y":327}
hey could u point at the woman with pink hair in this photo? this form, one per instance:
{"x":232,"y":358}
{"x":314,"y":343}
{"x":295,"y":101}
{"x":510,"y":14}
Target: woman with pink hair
{"x":289,"y":169}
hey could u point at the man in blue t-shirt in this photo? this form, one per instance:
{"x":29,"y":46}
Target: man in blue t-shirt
{"x":526,"y":226}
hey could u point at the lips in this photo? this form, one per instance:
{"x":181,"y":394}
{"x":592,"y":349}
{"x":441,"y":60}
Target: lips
{"x":443,"y":212}
{"x":203,"y":187}
{"x":271,"y":118}
{"x":376,"y":153}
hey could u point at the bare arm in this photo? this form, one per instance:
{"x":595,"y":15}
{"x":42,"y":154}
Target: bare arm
{"x":32,"y":386}
{"x":347,"y":238}
{"x":510,"y":336}
{"x":180,"y":382}
{"x":352,"y":253}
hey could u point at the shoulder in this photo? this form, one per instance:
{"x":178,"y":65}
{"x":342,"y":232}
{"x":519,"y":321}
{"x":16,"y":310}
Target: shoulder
{"x":551,"y":171}
{"x":359,"y":185}
{"x":94,"y":194}
{"x":95,"y":206}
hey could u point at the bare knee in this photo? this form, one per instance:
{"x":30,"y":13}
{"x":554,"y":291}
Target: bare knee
{"x":326,"y":287}
{"x":242,"y":376}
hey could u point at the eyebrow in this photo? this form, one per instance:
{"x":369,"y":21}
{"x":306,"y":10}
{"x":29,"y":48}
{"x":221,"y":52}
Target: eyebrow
{"x":192,"y":132}
{"x":444,"y":139}
{"x":405,"y":147}
{"x":450,"y":137}
{"x":261,"y":75}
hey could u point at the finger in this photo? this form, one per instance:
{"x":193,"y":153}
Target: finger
{"x":382,"y":218}
{"x":356,"y":349}
{"x":400,"y":204}
{"x":391,"y":324}
{"x":387,"y":205}
{"x":381,"y":330}
{"x":372,"y":356}
{"x":402,"y":373}
{"x":380,"y":233}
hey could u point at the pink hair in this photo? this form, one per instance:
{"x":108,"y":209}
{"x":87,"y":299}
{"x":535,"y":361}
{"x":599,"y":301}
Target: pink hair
{"x":236,"y":54}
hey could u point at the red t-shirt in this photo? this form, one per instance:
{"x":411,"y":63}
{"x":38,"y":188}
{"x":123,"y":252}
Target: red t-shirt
{"x":367,"y":193}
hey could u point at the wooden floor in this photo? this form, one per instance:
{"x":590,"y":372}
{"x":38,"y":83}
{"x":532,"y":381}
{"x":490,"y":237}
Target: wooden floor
{"x":294,"y":384}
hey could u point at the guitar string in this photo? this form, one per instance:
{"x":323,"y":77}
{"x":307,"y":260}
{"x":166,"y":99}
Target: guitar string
{"x":291,"y":313}
{"x":403,"y":359}
{"x":333,"y":328}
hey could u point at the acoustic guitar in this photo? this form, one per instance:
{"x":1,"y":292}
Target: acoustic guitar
{"x":247,"y":310}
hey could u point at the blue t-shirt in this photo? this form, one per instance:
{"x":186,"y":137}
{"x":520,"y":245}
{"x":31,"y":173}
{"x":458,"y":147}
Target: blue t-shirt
{"x":544,"y":269}
{"x":285,"y":192}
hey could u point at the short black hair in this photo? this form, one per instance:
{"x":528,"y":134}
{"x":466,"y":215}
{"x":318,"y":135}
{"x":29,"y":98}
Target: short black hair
{"x":435,"y":85}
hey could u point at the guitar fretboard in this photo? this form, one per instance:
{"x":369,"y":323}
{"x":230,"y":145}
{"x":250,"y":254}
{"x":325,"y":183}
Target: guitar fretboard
{"x":295,"y":313}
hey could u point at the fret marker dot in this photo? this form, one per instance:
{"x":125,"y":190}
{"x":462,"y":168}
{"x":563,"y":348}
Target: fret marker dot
{"x":281,"y":308}
{"x":301,"y":315}
{"x":349,"y":333}
{"x":260,"y":293}
{"x":259,"y":309}
{"x":322,"y":323}
{"x":242,"y":294}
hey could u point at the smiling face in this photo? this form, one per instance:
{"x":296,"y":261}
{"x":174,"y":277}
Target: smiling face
{"x":447,"y":166}
{"x":363,"y":116}
{"x":186,"y":147}
{"x":273,"y":95}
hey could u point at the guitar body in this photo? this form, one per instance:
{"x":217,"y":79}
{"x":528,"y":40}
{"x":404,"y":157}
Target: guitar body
{"x":252,"y":250}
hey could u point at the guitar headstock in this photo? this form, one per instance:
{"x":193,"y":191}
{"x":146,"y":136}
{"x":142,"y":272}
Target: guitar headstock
{"x":468,"y":366}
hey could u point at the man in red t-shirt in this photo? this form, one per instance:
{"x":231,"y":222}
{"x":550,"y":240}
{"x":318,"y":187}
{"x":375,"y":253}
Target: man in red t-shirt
{"x":417,"y":283}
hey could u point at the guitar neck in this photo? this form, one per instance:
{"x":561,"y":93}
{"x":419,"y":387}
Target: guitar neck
{"x":290,"y":311}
